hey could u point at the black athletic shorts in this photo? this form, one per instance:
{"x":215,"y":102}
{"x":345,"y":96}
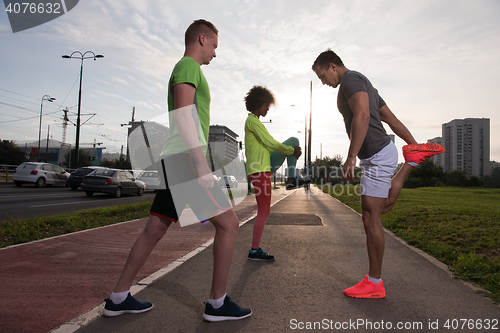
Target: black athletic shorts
{"x":180,"y":187}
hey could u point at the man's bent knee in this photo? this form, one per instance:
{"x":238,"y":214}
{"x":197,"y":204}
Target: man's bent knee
{"x":227,"y":221}
{"x":156,"y":227}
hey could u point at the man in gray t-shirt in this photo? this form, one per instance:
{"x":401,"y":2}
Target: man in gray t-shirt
{"x":376,"y":138}
{"x":364,"y":111}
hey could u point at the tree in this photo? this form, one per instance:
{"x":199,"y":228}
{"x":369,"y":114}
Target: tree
{"x":10,"y":153}
{"x":83,"y":160}
{"x":121,"y":163}
{"x":475,"y":181}
{"x":456,"y":178}
{"x":327,"y":167}
{"x":494,"y":179}
{"x":425,"y":171}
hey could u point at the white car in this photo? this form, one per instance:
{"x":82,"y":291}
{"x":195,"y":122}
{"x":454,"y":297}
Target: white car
{"x":228,"y":181}
{"x":136,"y":173}
{"x":151,"y":178}
{"x":40,"y":174}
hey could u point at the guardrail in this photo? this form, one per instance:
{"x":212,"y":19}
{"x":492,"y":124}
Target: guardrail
{"x":6,"y":172}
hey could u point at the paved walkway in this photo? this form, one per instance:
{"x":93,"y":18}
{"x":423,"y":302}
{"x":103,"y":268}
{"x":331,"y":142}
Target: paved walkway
{"x":47,"y":283}
{"x":320,"y":248}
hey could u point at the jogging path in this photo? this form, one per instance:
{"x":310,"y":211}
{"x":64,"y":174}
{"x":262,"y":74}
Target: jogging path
{"x":320,"y":250}
{"x":48,"y":283}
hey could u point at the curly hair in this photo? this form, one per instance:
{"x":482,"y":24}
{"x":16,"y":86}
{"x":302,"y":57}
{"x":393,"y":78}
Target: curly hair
{"x":258,"y":96}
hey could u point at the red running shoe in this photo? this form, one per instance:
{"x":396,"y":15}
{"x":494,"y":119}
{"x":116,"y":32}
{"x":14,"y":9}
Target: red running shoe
{"x":420,"y":152}
{"x":366,"y":289}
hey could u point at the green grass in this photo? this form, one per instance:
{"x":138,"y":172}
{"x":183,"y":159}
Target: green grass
{"x":17,"y":231}
{"x":459,"y":226}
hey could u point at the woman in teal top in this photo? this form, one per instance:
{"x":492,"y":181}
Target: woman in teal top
{"x":265,"y":155}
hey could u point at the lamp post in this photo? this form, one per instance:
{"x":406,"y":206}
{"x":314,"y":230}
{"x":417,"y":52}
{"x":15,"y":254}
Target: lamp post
{"x":44,"y":98}
{"x":81,"y":56}
{"x":310,"y":130}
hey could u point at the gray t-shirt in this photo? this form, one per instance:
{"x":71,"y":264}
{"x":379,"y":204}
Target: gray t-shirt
{"x":376,"y":137}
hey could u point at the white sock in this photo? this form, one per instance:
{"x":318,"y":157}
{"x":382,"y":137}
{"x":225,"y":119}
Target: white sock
{"x":376,"y":281}
{"x":413,"y":164}
{"x":118,"y":298}
{"x":217,"y":303}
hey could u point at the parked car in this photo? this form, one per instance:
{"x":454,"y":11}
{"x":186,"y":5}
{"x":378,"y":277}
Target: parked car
{"x":112,"y":181}
{"x":75,"y":178}
{"x":216,"y":180}
{"x":228,"y":181}
{"x":136,"y":173}
{"x":151,"y":179}
{"x":40,"y":174}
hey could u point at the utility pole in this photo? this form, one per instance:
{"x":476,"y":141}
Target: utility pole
{"x":65,"y":124}
{"x":310,"y":128}
{"x":305,"y":143}
{"x":132,"y":125}
{"x":47,"y":147}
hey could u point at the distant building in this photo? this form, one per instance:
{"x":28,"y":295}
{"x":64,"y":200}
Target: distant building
{"x":223,"y":142}
{"x":145,"y":141}
{"x":56,"y":152}
{"x":142,"y":135}
{"x":437,"y":159}
{"x":494,"y":165}
{"x":467,"y":144}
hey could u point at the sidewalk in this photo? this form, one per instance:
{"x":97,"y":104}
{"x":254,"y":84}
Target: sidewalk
{"x":47,"y":283}
{"x":320,"y":250}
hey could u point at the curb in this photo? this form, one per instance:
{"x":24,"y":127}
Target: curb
{"x":439,"y":264}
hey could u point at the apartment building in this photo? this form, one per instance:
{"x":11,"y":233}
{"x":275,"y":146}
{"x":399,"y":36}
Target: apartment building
{"x":223,"y":142}
{"x":437,"y":159}
{"x":467,"y":144}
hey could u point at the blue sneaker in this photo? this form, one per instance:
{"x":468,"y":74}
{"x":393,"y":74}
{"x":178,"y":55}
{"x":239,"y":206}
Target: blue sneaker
{"x":259,"y":255}
{"x":228,"y":311}
{"x":296,"y":183}
{"x":129,"y":305}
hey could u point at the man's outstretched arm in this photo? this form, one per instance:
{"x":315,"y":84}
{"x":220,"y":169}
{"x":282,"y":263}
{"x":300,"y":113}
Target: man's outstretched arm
{"x":396,"y":125}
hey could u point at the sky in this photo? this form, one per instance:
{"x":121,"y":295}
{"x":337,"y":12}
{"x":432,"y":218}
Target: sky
{"x":431,"y":61}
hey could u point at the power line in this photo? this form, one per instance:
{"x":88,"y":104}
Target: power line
{"x":18,"y":100}
{"x":12,"y":92}
{"x":11,"y":121}
{"x":19,"y":107}
{"x":21,"y":119}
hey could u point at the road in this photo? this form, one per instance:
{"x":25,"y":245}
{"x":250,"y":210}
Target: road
{"x":28,"y":201}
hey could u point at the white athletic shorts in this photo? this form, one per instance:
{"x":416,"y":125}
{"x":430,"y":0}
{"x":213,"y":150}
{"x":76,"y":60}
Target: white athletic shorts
{"x":378,"y":171}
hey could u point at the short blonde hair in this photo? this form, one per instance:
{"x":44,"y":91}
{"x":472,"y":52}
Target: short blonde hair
{"x":197,"y":28}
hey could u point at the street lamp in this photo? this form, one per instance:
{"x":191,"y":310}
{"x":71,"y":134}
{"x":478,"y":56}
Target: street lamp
{"x":309,"y":144}
{"x":82,"y":57}
{"x":44,"y":98}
